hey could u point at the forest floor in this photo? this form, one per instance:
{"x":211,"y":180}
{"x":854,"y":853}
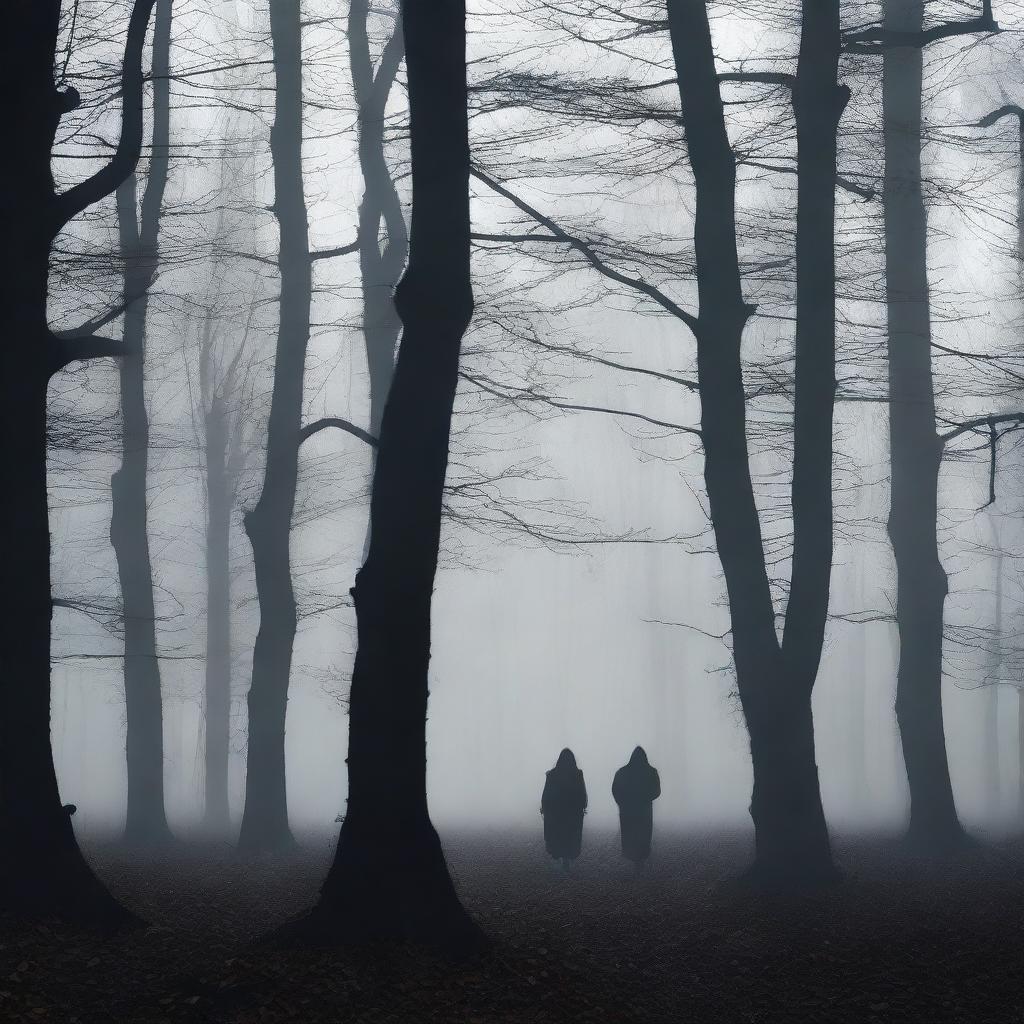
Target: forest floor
{"x":897,"y":940}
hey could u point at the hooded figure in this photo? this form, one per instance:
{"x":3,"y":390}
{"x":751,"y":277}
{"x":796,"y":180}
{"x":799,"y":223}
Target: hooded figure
{"x":563,"y":805}
{"x":635,"y":788}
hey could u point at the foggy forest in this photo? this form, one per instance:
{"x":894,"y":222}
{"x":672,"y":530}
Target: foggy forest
{"x":516,"y":511}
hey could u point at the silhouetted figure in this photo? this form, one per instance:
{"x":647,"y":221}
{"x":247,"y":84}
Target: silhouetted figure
{"x":635,"y":788}
{"x":563,"y":804}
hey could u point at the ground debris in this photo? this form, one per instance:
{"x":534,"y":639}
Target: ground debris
{"x":898,"y":941}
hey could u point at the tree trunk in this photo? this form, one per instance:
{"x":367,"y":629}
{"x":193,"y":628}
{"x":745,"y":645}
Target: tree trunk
{"x":859,"y":701}
{"x":42,"y":870}
{"x":389,"y":879}
{"x":993,"y":773}
{"x":268,"y":525}
{"x":145,"y":819}
{"x":774,"y":681}
{"x":914,"y":446}
{"x":993,"y":780}
{"x":217,"y":816}
{"x":1020,"y":755}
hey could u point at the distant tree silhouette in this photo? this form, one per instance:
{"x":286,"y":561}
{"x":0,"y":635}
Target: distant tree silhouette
{"x":139,"y":231}
{"x":268,"y":523}
{"x":915,"y":445}
{"x":41,"y":867}
{"x":222,"y":395}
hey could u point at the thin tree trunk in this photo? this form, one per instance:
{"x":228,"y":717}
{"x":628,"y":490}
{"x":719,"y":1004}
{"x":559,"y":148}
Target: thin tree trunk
{"x":389,"y":879}
{"x":914,"y":446}
{"x":774,"y":681}
{"x":145,"y":820}
{"x":218,"y":618}
{"x":859,"y":703}
{"x":993,"y":773}
{"x":1020,"y":193}
{"x":1020,"y":755}
{"x":993,"y":781}
{"x":42,"y":870}
{"x":268,"y":525}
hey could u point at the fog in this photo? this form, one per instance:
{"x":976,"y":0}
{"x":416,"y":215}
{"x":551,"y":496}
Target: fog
{"x":602,"y":623}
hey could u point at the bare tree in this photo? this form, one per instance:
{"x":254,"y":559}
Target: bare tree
{"x":268,"y":524}
{"x":43,"y":869}
{"x":389,"y":879}
{"x":223,"y":396}
{"x":146,"y":821}
{"x":915,"y":445}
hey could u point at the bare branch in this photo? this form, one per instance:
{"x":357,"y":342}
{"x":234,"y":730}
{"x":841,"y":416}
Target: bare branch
{"x":65,"y":349}
{"x":1009,"y":110}
{"x":516,"y":395}
{"x":986,"y":422}
{"x":336,"y":421}
{"x":129,"y":147}
{"x":588,"y":253}
{"x":759,"y":78}
{"x":874,"y":40}
{"x":327,"y":254}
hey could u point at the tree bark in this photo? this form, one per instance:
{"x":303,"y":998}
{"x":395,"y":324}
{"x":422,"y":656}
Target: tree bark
{"x":774,"y":681}
{"x":268,"y":525}
{"x":219,"y":499}
{"x":42,"y":870}
{"x":389,"y":879}
{"x":914,"y":446}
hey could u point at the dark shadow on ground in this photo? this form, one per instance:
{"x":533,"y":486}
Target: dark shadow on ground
{"x":898,"y":940}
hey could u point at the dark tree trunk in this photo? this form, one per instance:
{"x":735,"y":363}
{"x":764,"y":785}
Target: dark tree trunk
{"x":818,"y":103}
{"x":268,"y":525}
{"x":42,"y":870}
{"x":145,"y":820}
{"x":914,"y":446}
{"x":389,"y":879}
{"x":774,"y":680}
{"x":219,"y":502}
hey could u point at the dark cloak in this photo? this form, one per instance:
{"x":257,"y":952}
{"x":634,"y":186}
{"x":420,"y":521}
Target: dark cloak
{"x":563,"y":804}
{"x":635,"y":788}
